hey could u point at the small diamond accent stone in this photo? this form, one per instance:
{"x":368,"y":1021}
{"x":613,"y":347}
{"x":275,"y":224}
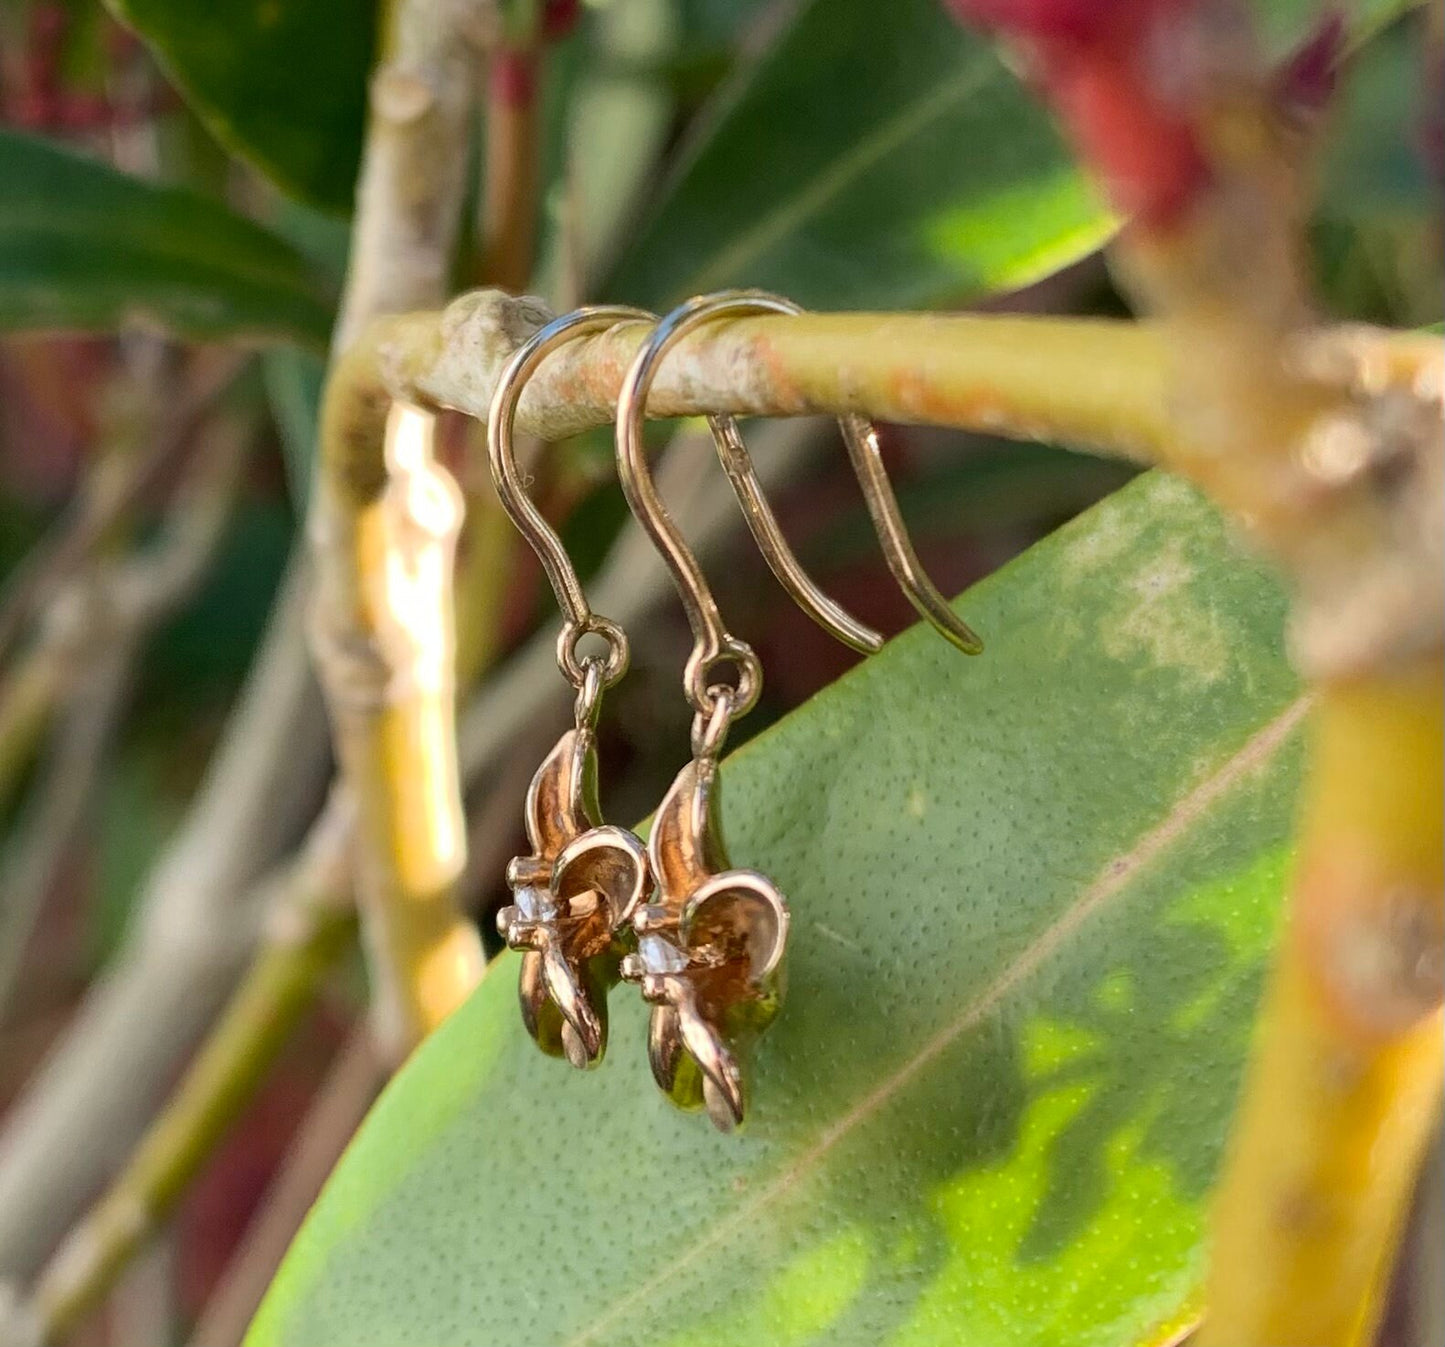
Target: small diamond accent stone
{"x":660,"y":956}
{"x":535,"y":904}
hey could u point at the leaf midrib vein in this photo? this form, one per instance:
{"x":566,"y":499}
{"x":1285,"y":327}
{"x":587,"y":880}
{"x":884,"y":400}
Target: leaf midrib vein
{"x":1111,"y":880}
{"x":142,"y":246}
{"x":734,"y":259}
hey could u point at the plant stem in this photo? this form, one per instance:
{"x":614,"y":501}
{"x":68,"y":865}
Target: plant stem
{"x":1096,"y":384}
{"x":101,"y":619}
{"x":384,"y":537}
{"x":1344,"y":1087}
{"x":509,"y":205}
{"x":311,"y":923}
{"x":28,"y":694}
{"x":55,"y":559}
{"x":413,"y":168}
{"x":62,"y":800}
{"x":195,"y":926}
{"x":485,"y":565}
{"x":308,"y":928}
{"x":332,"y":1117}
{"x":389,"y":655}
{"x":407,"y":216}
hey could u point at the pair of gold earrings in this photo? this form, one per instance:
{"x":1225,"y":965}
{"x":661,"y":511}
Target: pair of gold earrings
{"x":591,"y":904}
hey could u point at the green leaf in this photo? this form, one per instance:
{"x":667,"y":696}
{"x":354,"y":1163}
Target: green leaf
{"x":1284,"y":24}
{"x":282,"y":82}
{"x":294,"y":382}
{"x":1032,"y":897}
{"x":83,"y":246}
{"x":872,"y":158}
{"x":1374,"y":162}
{"x":882,"y":158}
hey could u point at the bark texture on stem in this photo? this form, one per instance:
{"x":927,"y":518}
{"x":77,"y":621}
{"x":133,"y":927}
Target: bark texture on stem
{"x":1344,"y":1090}
{"x":414,"y":166}
{"x":1093,"y":383}
{"x":382,"y":620}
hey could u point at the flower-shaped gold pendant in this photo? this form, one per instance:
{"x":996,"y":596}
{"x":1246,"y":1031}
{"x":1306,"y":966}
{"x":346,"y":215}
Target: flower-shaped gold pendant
{"x":573,"y":898}
{"x":710,"y":952}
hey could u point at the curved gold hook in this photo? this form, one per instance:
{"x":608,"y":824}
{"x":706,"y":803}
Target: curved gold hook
{"x":713,"y":644}
{"x":861,"y":438}
{"x":580,"y":619}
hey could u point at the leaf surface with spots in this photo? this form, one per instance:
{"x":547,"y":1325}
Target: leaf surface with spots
{"x":1032,"y":895}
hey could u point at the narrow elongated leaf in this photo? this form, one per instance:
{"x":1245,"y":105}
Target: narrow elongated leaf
{"x":84,"y":246}
{"x":875,"y":157}
{"x":881,"y":156}
{"x":1032,"y":895}
{"x":282,"y":82}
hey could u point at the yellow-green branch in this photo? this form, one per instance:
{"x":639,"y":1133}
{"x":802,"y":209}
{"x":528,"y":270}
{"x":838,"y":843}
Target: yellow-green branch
{"x":1345,"y":1084}
{"x":382,"y":628}
{"x":1091,"y":383}
{"x":309,"y":926}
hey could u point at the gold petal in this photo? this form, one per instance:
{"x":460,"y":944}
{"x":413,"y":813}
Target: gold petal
{"x":558,"y":805}
{"x":686,"y":845}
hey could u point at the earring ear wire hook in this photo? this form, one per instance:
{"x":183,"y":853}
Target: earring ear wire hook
{"x":861,"y":440}
{"x":713,"y":644}
{"x":861,"y":437}
{"x":566,"y":584}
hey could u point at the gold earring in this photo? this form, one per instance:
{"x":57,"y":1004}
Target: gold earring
{"x":575,"y":894}
{"x":711,"y":943}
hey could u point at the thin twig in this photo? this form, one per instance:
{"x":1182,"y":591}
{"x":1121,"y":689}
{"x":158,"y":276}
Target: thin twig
{"x":56,"y":558}
{"x":28,"y":693}
{"x":510,"y":190}
{"x":193,"y":931}
{"x":90,"y":1100}
{"x":408,"y":212}
{"x":49,"y":826}
{"x":306,"y":929}
{"x":97,"y":624}
{"x":352,"y":1083}
{"x":1093,"y":383}
{"x":144,"y":1307}
{"x":355,"y":1078}
{"x":413,"y":170}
